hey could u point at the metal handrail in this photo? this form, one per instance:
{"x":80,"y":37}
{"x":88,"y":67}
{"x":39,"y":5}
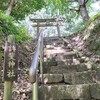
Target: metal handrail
{"x":33,"y":68}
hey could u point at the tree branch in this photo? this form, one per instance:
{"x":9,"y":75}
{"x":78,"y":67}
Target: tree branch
{"x":10,"y":7}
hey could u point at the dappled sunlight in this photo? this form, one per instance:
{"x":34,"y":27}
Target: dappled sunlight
{"x":45,"y":80}
{"x":49,"y":88}
{"x":76,"y":61}
{"x":89,"y":65}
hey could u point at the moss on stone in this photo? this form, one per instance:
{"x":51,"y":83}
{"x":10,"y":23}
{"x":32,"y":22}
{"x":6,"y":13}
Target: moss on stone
{"x":93,"y":42}
{"x":95,"y":17}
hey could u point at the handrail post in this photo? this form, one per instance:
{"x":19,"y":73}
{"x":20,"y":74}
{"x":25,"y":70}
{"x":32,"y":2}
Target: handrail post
{"x":35,"y":90}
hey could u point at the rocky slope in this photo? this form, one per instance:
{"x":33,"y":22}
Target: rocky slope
{"x":88,"y":40}
{"x":91,"y":36}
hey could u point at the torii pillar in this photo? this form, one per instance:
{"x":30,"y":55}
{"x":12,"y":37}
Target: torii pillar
{"x":58,"y":30}
{"x":38,"y":33}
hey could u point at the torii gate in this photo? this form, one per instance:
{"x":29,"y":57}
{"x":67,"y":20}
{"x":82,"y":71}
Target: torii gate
{"x":46,"y":23}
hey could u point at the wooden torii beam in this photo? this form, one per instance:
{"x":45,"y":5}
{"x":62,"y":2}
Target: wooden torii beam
{"x":43,"y":20}
{"x":45,"y":23}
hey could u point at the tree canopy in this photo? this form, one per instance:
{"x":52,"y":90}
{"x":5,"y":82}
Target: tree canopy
{"x":21,"y":8}
{"x":17,"y":9}
{"x":70,"y":6}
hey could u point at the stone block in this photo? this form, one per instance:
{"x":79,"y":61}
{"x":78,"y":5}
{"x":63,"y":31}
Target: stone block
{"x":52,"y":78}
{"x":69,"y":56}
{"x":95,"y":91}
{"x":67,"y":69}
{"x":64,"y":92}
{"x":85,"y":77}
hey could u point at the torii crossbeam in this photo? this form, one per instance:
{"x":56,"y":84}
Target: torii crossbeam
{"x":46,"y":23}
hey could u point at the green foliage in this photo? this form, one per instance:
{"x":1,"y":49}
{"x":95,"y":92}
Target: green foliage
{"x":96,"y":66}
{"x":78,"y":27}
{"x":3,"y":5}
{"x":22,"y":7}
{"x":7,"y":27}
{"x":25,"y":7}
{"x":58,"y":5}
{"x":22,"y":35}
{"x":94,"y":39}
{"x":95,"y":17}
{"x":81,"y":26}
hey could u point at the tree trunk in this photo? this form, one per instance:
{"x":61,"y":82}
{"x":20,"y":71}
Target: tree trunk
{"x":10,"y":7}
{"x":83,"y":10}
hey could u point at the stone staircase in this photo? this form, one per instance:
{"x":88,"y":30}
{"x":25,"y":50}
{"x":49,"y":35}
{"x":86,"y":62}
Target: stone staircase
{"x":66,"y":75}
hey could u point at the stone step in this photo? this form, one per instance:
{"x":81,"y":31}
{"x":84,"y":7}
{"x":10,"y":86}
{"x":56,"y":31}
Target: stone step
{"x":61,"y":56}
{"x":70,"y":92}
{"x":64,"y":92}
{"x":49,"y":39}
{"x":67,"y":53}
{"x":54,"y":52}
{"x":65,"y":68}
{"x":67,"y":49}
{"x":49,"y":47}
{"x":53,"y":42}
{"x":82,"y":77}
{"x":69,"y":56}
{"x":61,"y":61}
{"x":72,"y":78}
{"x":50,"y":63}
{"x":55,"y":57}
{"x":69,"y":61}
{"x":52,"y":78}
